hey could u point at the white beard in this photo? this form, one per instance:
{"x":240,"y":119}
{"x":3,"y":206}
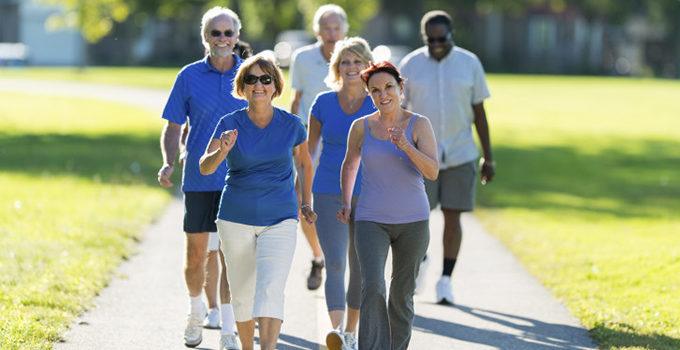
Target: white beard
{"x":220,"y":52}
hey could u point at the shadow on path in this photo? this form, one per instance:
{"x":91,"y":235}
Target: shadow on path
{"x":533,"y":334}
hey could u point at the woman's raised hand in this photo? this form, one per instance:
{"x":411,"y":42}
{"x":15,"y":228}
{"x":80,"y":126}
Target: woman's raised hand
{"x":228,"y":140}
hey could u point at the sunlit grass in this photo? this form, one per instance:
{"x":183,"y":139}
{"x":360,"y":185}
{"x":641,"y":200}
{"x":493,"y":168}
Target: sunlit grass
{"x":588,"y":196}
{"x":77,"y":179}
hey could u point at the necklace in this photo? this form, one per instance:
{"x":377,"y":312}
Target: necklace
{"x":349,"y":103}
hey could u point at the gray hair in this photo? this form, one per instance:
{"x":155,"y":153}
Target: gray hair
{"x":213,"y":13}
{"x":329,"y":9}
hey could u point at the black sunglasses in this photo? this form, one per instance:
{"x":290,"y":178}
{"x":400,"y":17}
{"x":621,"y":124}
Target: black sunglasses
{"x":252,"y":79}
{"x":216,"y":33}
{"x":439,"y":40}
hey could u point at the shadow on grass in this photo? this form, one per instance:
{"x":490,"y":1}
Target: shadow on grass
{"x":622,"y":339}
{"x":110,"y":158}
{"x":613,"y":181}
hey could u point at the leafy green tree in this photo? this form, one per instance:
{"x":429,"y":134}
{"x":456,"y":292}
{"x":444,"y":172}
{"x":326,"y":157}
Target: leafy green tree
{"x":94,"y":18}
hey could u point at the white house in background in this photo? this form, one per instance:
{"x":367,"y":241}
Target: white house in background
{"x":23,"y":21}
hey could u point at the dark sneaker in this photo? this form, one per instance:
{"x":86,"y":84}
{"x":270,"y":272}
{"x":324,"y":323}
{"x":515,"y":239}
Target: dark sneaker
{"x":315,"y":277}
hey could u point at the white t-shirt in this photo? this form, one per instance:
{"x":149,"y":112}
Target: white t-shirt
{"x":444,"y":91}
{"x":308,"y":69}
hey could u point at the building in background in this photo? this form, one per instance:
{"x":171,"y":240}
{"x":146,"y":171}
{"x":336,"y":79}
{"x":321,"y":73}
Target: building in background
{"x":22,"y":22}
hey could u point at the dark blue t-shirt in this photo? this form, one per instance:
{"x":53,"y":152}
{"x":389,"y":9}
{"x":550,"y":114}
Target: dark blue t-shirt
{"x":203,"y":95}
{"x":260,"y":185}
{"x":335,"y":125}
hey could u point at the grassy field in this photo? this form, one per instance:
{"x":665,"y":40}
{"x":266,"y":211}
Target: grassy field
{"x":587,"y":193}
{"x":588,"y":196}
{"x":77,"y":179}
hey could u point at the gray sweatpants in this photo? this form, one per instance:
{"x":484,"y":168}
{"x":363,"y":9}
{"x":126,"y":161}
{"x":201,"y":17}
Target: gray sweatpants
{"x":386,"y":325}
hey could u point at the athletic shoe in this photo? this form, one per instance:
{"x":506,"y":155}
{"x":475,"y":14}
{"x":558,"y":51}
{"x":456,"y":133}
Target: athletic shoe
{"x":212,"y":321}
{"x":335,"y":340}
{"x":229,"y":342}
{"x":445,"y":291}
{"x":351,"y":342}
{"x":422,"y":271}
{"x":315,"y":277}
{"x":193,"y":334}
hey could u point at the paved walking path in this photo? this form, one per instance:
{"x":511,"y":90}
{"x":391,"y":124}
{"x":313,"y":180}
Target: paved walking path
{"x":499,"y":305}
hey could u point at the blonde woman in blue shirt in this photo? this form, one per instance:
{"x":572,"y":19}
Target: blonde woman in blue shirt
{"x":330,"y":119}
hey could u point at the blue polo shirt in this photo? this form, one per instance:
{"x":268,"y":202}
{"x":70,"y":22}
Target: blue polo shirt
{"x":260,"y":185}
{"x":203,"y":95}
{"x":335,"y":125}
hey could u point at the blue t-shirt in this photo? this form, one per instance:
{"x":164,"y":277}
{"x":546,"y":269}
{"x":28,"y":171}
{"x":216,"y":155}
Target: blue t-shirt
{"x":203,"y":95}
{"x":260,"y":185}
{"x":335,"y":125}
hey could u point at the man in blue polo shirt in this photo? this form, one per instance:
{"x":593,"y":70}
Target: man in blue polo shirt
{"x":202,"y":94}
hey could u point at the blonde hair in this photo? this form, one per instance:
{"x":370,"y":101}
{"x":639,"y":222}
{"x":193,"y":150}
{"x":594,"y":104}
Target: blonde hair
{"x":329,"y":9}
{"x":356,"y":45}
{"x":267,"y":64}
{"x":213,"y":13}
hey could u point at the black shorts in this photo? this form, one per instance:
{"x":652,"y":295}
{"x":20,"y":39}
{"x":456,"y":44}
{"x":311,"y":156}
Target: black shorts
{"x":200,"y":211}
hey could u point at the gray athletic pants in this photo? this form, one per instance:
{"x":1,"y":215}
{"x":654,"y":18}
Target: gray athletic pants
{"x":337,"y":243}
{"x":386,"y":325}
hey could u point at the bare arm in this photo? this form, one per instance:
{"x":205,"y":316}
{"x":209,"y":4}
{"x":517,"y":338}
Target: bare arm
{"x":295,"y":104}
{"x":304,"y":163}
{"x":488,"y":167}
{"x":314,"y":134}
{"x":350,"y":168}
{"x":423,"y":152}
{"x":169,"y":148}
{"x":217,"y":151}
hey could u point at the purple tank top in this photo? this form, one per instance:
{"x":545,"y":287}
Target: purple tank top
{"x":392,"y":188}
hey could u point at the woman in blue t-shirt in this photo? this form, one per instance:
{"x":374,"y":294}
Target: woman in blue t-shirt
{"x":257,"y":219}
{"x":331,"y":116}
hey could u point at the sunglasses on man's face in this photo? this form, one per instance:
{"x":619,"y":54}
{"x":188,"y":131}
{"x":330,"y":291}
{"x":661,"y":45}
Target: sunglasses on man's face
{"x":439,"y":40}
{"x":216,"y":33}
{"x":252,"y":79}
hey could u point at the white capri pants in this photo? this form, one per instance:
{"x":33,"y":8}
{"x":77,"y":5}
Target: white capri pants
{"x":213,"y":241}
{"x":259,"y":260}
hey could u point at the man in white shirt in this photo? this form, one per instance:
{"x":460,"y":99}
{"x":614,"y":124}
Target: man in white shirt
{"x":309,"y":67}
{"x":446,"y":83}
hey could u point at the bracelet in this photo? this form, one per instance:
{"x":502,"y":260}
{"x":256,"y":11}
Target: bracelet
{"x":305,"y":206}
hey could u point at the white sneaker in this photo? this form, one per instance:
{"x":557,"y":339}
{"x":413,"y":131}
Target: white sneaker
{"x":335,"y":340}
{"x":193,"y":334}
{"x":229,"y":342}
{"x":212,"y":321}
{"x":445,"y":291}
{"x":422,"y":271}
{"x":351,"y":342}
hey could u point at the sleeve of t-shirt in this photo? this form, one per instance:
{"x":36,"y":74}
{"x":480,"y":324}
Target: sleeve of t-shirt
{"x":219,"y":129}
{"x":480,"y":90}
{"x":300,"y":132}
{"x":176,"y":108}
{"x":295,"y":73}
{"x":317,"y":107}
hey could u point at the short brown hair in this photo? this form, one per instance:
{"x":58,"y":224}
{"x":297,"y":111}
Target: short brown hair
{"x":384,"y":67}
{"x":267,"y":64}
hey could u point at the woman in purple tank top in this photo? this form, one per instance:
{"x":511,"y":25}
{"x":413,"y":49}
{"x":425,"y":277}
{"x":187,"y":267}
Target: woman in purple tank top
{"x":396,"y":149}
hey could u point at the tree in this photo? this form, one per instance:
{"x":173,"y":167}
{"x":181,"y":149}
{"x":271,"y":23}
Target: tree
{"x":93,"y":18}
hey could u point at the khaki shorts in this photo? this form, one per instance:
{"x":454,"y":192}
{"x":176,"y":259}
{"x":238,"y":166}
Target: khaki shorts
{"x":454,"y":188}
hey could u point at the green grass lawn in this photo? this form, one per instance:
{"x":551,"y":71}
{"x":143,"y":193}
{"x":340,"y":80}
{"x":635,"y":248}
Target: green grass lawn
{"x":77,"y":180}
{"x":588,"y":196}
{"x":587,"y":193}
